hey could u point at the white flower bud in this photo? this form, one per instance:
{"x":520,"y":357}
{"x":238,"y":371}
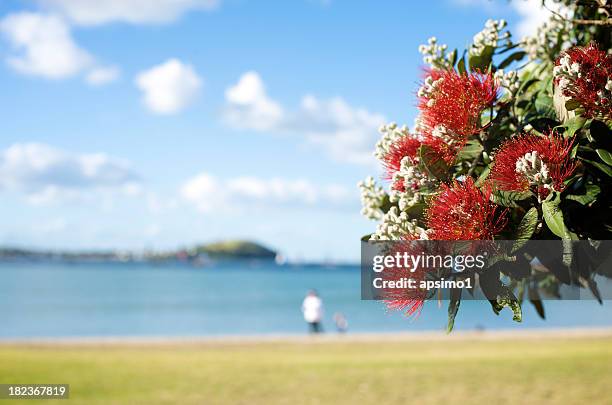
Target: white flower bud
{"x":533,"y":168}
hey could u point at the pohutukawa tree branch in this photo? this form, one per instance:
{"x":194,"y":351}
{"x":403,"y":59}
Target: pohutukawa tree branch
{"x":580,"y":21}
{"x":548,"y":163}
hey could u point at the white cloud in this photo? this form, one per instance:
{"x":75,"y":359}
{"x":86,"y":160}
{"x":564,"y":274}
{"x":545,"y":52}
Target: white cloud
{"x":209,"y":193}
{"x":47,"y":174}
{"x":532,"y":15}
{"x":94,"y":12}
{"x":345,"y":132}
{"x":249,"y":105}
{"x":169,"y":87}
{"x":43,"y":46}
{"x":102,"y":75}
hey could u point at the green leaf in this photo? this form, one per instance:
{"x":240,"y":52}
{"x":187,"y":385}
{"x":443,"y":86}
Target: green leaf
{"x":495,"y":259}
{"x":536,"y":301}
{"x":554,"y":217}
{"x":517,"y":313}
{"x":543,"y":124}
{"x":571,"y":105}
{"x":525,"y":229}
{"x":433,"y":163}
{"x":546,"y":84}
{"x":572,"y":125}
{"x":544,"y":106}
{"x":592,"y":284}
{"x":386,"y":203}
{"x":461,"y":65}
{"x":481,"y":62}
{"x":574,"y":152}
{"x":599,"y":131}
{"x":516,"y":56}
{"x":453,"y":308}
{"x":592,"y":191}
{"x":470,"y":151}
{"x":507,"y":299}
{"x":605,"y":156}
{"x":416,"y":211}
{"x":604,"y":168}
{"x":526,"y":85}
{"x":509,"y":198}
{"x":483,"y":176}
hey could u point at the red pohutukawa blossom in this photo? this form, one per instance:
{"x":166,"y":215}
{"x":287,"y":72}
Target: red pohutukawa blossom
{"x":532,"y":162}
{"x":445,"y":147}
{"x":451,"y":105}
{"x":406,"y":146}
{"x":584,"y":74}
{"x":461,"y":211}
{"x":400,"y":298}
{"x":404,"y":302}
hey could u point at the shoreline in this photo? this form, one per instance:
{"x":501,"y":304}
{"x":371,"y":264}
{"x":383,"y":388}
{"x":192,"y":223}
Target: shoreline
{"x":358,"y":337}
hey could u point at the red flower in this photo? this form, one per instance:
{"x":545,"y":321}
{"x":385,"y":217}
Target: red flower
{"x":445,"y":144}
{"x":451,"y":105}
{"x":405,"y":303}
{"x":410,"y":301}
{"x":463,"y":212}
{"x":585,"y":75}
{"x":527,"y":162}
{"x":406,"y":146}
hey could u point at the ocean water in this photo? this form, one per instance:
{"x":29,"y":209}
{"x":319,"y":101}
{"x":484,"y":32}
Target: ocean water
{"x":230,"y":298}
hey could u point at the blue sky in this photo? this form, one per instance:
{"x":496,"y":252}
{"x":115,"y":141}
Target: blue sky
{"x":158,"y":124}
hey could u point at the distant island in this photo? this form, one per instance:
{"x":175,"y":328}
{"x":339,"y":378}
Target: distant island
{"x":199,"y":254}
{"x":236,"y":249}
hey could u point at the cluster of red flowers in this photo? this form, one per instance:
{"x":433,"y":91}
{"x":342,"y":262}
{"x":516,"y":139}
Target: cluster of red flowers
{"x":405,"y":147}
{"x":461,"y":211}
{"x":535,"y":162}
{"x":584,"y":74}
{"x":451,"y":105}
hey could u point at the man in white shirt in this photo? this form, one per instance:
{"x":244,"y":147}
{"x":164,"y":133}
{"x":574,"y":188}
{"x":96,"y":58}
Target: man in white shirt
{"x":312,"y":308}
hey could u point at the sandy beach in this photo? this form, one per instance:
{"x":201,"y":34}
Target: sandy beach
{"x":323,"y":338}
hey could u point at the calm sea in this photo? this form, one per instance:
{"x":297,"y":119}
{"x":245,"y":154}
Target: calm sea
{"x":59,"y":299}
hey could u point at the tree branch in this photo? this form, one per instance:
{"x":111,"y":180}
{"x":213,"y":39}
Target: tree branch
{"x":474,"y":164}
{"x":579,"y":21}
{"x":592,"y":22}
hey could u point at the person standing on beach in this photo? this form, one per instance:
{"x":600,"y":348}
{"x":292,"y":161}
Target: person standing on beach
{"x":312,"y":308}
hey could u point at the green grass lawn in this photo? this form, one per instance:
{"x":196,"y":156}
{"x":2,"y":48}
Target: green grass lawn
{"x":523,"y":371}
